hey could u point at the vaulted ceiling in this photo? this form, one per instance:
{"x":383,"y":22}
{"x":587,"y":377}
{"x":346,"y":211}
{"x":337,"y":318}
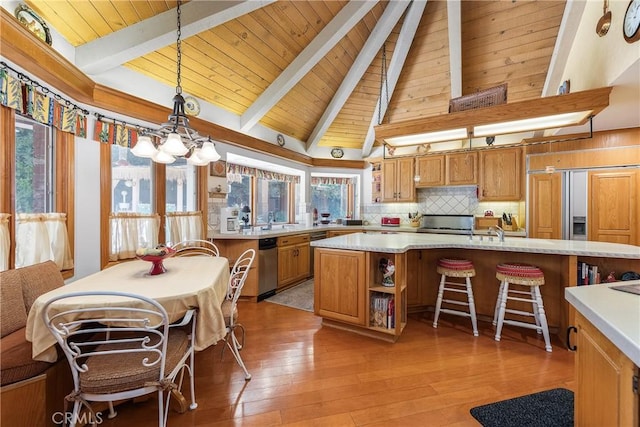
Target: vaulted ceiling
{"x":312,"y":70}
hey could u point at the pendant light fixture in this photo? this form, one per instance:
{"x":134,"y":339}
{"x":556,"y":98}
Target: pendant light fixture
{"x":176,"y":137}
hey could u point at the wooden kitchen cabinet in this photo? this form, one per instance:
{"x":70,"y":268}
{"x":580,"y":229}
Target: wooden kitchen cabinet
{"x":500,"y":174}
{"x":397,"y":180}
{"x":431,"y":170}
{"x":614,"y":206}
{"x":545,"y":206}
{"x":342,"y":232}
{"x":294,"y":261}
{"x":340,"y":286}
{"x":604,"y":377}
{"x":462,"y":168}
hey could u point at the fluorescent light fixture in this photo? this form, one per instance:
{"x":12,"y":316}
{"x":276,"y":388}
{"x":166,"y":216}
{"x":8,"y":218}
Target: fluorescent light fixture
{"x":428,"y":137}
{"x":536,"y":123}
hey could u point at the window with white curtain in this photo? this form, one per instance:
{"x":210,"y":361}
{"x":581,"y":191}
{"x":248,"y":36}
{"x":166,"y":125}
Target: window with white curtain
{"x":41,"y":233}
{"x":5,"y":241}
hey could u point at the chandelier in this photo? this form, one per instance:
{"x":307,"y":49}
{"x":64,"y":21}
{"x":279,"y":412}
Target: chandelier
{"x":176,"y":138}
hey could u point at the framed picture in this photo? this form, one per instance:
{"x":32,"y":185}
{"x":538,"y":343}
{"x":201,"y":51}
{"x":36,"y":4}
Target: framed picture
{"x":218,"y":168}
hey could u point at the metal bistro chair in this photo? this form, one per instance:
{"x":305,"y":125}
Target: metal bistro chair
{"x":196,"y":247}
{"x":121,"y":346}
{"x":237,"y":279}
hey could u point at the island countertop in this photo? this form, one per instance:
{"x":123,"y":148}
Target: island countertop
{"x":403,"y":242}
{"x":614,"y":313}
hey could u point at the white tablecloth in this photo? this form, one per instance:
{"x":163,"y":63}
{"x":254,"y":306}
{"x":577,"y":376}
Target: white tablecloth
{"x":189,"y":282}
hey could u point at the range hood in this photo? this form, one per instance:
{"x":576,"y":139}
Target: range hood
{"x":529,"y":115}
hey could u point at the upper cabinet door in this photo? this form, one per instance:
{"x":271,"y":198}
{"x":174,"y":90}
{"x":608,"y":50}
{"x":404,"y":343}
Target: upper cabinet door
{"x":405,"y":185}
{"x":500,"y":174}
{"x":462,"y":168}
{"x":430,"y":169}
{"x":614,"y":206}
{"x":545,"y":206}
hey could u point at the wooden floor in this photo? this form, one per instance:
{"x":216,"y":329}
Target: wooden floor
{"x":308,"y":375}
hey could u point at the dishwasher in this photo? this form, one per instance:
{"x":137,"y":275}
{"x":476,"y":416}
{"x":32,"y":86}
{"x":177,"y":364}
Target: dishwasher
{"x":316,"y":235}
{"x":267,"y":267}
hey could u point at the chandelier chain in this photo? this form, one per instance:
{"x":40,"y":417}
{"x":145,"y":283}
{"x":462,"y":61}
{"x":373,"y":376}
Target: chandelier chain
{"x":383,"y":82}
{"x":179,"y":51}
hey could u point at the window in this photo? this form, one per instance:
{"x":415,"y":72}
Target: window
{"x":36,"y":203}
{"x":272,"y":201}
{"x":131,"y":185}
{"x":181,"y":187}
{"x":33,"y":167}
{"x":334,"y":195}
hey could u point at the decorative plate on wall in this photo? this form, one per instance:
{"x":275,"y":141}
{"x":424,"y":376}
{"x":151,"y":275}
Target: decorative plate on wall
{"x":33,"y":22}
{"x":191,"y":106}
{"x":337,"y":153}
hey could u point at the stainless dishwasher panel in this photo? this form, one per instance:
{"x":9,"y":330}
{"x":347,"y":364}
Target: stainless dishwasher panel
{"x":267,"y":267}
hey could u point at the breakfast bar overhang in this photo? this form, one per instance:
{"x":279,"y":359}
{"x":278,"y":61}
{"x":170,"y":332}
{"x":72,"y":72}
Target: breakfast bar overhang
{"x":348,"y":277}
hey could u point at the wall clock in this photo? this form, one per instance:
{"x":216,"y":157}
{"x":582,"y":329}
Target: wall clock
{"x":280,"y":140}
{"x":191,"y":106}
{"x":631,"y":22}
{"x":337,"y":153}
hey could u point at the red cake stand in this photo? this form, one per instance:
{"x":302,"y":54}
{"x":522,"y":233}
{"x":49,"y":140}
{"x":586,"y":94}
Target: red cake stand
{"x":157,"y":267}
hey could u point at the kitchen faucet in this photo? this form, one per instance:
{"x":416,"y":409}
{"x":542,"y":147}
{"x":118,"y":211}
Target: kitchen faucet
{"x":499,"y":232}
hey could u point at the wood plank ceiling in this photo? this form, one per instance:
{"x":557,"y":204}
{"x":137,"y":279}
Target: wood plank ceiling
{"x":232,"y":64}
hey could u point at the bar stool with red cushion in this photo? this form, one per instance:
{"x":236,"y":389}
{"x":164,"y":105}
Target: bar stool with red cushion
{"x":523,"y":276}
{"x":461,"y":268}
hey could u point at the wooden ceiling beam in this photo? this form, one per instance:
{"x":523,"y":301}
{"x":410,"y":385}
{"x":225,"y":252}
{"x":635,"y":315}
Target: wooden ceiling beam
{"x":157,"y":32}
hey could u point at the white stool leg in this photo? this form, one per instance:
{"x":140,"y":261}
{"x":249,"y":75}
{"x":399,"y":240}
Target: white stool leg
{"x":498,"y":301}
{"x":504,"y":291}
{"x":472,"y":308}
{"x":543,"y":319}
{"x":439,"y":301}
{"x":534,"y":304}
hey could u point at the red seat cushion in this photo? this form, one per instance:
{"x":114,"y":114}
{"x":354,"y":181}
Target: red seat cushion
{"x":520,"y":270}
{"x":457,"y":264}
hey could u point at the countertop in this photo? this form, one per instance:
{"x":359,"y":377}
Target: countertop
{"x":402,"y":242}
{"x":290,"y":229}
{"x":614,"y":313}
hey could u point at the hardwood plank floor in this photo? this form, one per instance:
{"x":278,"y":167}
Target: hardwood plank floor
{"x":308,"y":375}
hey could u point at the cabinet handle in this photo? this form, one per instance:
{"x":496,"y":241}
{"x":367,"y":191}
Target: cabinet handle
{"x":569,"y":330}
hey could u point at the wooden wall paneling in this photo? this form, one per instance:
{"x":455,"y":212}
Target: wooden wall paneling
{"x":8,"y":172}
{"x":592,"y":158}
{"x":65,"y":184}
{"x":105,"y":204}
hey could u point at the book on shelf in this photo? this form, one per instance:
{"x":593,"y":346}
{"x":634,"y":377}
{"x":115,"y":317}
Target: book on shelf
{"x":588,"y":274}
{"x":382,"y":311}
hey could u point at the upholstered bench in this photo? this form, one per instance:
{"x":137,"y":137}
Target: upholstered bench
{"x":28,"y":386}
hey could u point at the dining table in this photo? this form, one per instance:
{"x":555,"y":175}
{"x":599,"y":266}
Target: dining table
{"x":198,"y":282}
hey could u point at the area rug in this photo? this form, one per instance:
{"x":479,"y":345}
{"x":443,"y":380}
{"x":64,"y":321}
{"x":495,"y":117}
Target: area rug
{"x":300,"y":296}
{"x":546,"y":408}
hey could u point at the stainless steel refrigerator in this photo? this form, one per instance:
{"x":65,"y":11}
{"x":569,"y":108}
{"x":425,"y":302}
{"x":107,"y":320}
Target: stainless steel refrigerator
{"x":574,"y":205}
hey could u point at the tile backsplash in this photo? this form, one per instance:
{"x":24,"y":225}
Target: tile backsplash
{"x":460,"y":200}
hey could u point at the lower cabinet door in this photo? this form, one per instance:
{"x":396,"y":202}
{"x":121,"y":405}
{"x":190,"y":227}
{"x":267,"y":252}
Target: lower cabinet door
{"x":340,"y":291}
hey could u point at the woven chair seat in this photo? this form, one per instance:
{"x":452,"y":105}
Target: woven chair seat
{"x":101,"y":378}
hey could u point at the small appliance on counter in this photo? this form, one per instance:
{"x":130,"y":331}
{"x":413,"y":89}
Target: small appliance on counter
{"x":389,"y":221}
{"x":229,"y":220}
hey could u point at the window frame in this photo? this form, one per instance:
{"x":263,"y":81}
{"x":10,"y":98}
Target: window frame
{"x":63,"y":181}
{"x":158,"y":175}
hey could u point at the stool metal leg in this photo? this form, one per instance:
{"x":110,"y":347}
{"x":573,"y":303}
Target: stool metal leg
{"x":504,"y":291}
{"x":543,"y":319}
{"x":472,"y":307}
{"x":439,"y":301}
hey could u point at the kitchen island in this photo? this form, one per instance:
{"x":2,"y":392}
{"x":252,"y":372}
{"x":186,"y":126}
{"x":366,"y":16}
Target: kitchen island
{"x":607,"y":345}
{"x":348,"y":279}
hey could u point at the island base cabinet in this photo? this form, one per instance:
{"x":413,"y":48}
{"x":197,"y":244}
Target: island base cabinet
{"x":604,"y":392}
{"x":339,"y":285}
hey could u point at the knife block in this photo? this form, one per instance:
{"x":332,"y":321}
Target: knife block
{"x":512,"y":227}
